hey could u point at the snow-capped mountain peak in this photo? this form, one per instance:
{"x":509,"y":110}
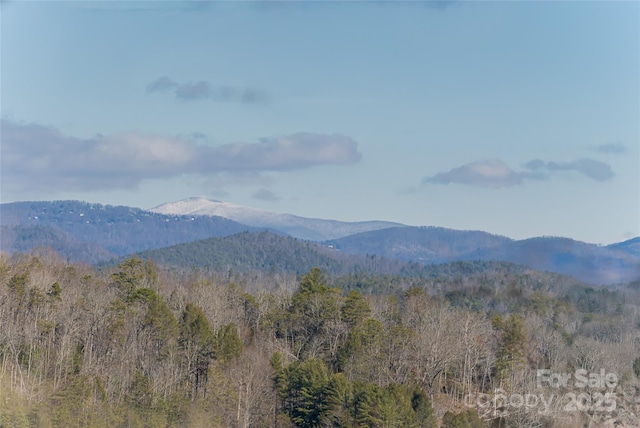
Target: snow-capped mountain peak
{"x":299,"y":227}
{"x":185,"y":206}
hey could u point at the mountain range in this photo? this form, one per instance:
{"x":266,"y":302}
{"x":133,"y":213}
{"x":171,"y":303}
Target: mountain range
{"x":180,"y":233}
{"x":271,"y":253}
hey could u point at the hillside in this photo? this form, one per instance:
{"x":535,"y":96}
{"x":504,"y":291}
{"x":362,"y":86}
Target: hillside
{"x":23,"y":239}
{"x":267,"y":252}
{"x":420,"y":244}
{"x":618,"y":263}
{"x":631,"y":246}
{"x":246,"y":251}
{"x":591,"y":263}
{"x":117,"y":229}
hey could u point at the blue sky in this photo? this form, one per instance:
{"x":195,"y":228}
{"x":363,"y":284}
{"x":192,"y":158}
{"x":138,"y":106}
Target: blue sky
{"x":518,"y":118}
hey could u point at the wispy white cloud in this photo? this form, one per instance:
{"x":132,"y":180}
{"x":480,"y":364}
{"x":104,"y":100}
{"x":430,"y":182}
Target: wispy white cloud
{"x":496,"y":174}
{"x":295,"y":151}
{"x":202,"y":90}
{"x":594,"y":169}
{"x":41,"y":158}
{"x":492,"y":173}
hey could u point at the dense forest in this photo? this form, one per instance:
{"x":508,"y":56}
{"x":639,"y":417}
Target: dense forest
{"x":139,"y":345}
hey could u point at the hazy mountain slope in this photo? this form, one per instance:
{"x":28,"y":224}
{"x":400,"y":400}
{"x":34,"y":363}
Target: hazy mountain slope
{"x":25,"y":238}
{"x":631,"y":246}
{"x":300,"y":227}
{"x":118,"y":229}
{"x":421,"y":244}
{"x":589,"y":262}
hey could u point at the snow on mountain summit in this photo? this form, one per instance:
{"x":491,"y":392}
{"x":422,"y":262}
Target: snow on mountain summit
{"x":185,"y":206}
{"x":204,"y":206}
{"x":299,"y":227}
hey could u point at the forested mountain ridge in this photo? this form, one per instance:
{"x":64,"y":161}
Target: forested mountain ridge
{"x":119,"y":230}
{"x":616,"y":263}
{"x":252,"y":252}
{"x":24,"y":238}
{"x":424,"y":244}
{"x":589,"y":262}
{"x":631,"y":246}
